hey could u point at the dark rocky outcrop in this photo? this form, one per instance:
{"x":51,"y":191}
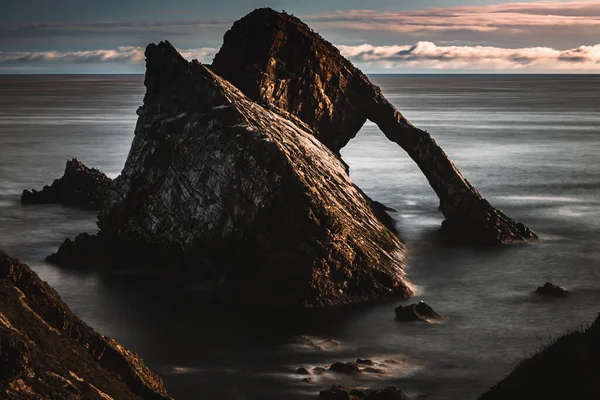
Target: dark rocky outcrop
{"x":80,"y":186}
{"x":349,"y":368}
{"x":46,"y":352}
{"x":217,"y":182}
{"x":345,"y":393}
{"x":279,"y":61}
{"x":550,"y":289}
{"x":567,"y":369}
{"x":416,"y":312}
{"x":303,"y":371}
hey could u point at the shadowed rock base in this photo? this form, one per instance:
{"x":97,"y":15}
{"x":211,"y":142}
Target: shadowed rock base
{"x":46,"y":352}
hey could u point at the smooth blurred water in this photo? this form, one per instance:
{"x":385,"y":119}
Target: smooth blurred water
{"x":530,"y":144}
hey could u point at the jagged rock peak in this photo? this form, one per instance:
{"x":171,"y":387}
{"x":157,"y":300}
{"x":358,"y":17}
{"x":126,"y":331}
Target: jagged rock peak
{"x":277,"y":60}
{"x":221,"y":181}
{"x":46,"y":351}
{"x":79,"y":186}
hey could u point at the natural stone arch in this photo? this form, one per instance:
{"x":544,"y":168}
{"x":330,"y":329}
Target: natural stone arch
{"x":277,"y":60}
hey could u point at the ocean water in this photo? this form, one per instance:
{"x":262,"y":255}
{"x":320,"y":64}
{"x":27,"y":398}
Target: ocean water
{"x":530,"y":144}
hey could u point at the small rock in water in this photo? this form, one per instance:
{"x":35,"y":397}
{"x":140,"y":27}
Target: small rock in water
{"x":345,"y":393}
{"x":373,"y":370}
{"x":345,"y":368}
{"x":364,"y":362}
{"x":550,"y":289}
{"x":332,"y":343}
{"x":308,"y":380}
{"x":319,"y":370}
{"x":416,"y":312}
{"x":303,"y":371}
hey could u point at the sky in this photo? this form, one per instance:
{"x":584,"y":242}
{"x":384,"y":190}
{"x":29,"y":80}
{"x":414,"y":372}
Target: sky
{"x":379,"y":36}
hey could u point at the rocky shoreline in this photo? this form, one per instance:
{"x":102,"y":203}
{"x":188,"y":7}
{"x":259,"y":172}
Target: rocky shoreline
{"x":46,"y":351}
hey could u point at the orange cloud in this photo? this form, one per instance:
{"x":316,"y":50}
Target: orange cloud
{"x":532,"y":18}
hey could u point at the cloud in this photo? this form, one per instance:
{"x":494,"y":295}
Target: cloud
{"x":430,"y":55}
{"x":565,"y":23}
{"x":475,"y":18}
{"x":123,"y":54}
{"x":423,"y":54}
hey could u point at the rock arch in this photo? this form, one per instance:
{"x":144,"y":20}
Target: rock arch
{"x":277,"y":60}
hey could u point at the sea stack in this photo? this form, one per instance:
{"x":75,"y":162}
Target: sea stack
{"x":221,"y":182}
{"x":235,"y":171}
{"x":277,"y":60}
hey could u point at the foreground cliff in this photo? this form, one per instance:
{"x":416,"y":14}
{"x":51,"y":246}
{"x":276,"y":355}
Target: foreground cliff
{"x":567,"y":369}
{"x":220,"y":184}
{"x":277,"y":60}
{"x":46,"y":352}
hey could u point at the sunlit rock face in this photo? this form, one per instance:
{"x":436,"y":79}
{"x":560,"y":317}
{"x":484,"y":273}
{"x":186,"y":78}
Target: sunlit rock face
{"x":249,"y":192}
{"x":47,"y":352}
{"x":277,"y":60}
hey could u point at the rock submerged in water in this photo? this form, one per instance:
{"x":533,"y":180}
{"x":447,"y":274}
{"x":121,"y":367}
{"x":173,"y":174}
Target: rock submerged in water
{"x":219,"y":183}
{"x":550,"y":289}
{"x":348,"y":368}
{"x":361,"y":361}
{"x":345,"y":393}
{"x":416,"y":312}
{"x":48,"y":352}
{"x":276,"y":59}
{"x":79,"y":186}
{"x":303,"y":371}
